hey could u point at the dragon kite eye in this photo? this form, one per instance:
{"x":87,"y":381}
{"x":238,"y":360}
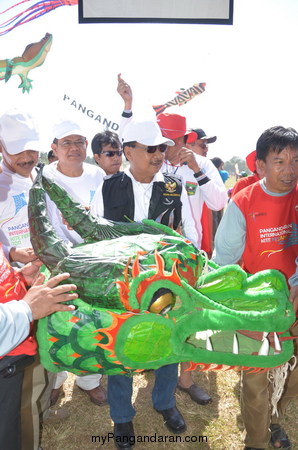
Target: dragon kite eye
{"x":162,"y":301}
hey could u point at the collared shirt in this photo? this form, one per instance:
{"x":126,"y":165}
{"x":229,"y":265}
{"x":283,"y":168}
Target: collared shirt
{"x":213,"y":193}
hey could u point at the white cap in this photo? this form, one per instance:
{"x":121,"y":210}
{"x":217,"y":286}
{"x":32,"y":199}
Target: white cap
{"x":66,"y":128}
{"x":18,"y":132}
{"x":146,"y":133}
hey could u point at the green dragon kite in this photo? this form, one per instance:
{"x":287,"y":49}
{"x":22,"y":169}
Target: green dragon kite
{"x":33,"y":56}
{"x":148,"y":297}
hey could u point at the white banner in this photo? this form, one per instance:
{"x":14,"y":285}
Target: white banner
{"x":197,"y":11}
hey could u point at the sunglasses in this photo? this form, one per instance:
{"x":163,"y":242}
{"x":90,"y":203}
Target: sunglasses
{"x":112,"y":153}
{"x":152,"y":148}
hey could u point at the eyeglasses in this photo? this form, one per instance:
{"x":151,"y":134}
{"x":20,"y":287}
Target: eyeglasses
{"x":68,"y":144}
{"x":152,"y":148}
{"x":111,"y":153}
{"x":203,"y":145}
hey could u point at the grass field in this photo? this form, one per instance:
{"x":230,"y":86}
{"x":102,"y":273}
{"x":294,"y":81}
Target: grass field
{"x":219,"y":423}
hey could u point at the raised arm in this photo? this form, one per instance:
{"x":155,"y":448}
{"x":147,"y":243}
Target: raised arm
{"x":125,"y":92}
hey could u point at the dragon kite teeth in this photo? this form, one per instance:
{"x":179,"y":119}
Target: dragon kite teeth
{"x":148,"y":298}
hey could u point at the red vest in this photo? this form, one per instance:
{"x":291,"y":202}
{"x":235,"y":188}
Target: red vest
{"x":12,"y":287}
{"x":271,"y":229}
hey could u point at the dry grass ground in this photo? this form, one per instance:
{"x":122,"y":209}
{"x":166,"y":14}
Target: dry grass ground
{"x":219,"y":421}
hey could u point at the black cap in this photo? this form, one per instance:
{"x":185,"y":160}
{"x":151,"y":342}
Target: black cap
{"x":202,"y":135}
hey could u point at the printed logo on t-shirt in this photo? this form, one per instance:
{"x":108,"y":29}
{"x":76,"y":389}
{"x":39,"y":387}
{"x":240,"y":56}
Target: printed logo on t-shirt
{"x":191,"y":187}
{"x":19,"y":201}
{"x":285,"y":236}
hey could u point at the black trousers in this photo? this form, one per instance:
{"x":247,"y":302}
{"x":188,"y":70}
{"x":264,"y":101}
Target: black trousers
{"x":10,"y":400}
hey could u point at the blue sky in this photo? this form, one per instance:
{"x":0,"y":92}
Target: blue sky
{"x":249,"y":69}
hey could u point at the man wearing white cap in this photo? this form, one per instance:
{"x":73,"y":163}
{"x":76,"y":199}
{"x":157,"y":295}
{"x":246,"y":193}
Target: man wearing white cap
{"x":81,"y":181}
{"x":19,"y":142}
{"x":202,"y":183}
{"x":19,"y":148}
{"x":138,"y":193}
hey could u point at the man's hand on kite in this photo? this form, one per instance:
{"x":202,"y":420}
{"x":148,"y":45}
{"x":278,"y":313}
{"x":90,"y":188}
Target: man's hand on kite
{"x":45,"y":299}
{"x":125,"y":91}
{"x":22,"y":255}
{"x":31,"y":271}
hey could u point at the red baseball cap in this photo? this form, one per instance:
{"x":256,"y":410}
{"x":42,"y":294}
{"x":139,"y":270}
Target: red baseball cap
{"x":251,"y":161}
{"x":173,"y":126}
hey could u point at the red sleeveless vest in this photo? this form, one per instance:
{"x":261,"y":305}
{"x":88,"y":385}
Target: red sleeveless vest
{"x":12,"y":287}
{"x":271,"y":229}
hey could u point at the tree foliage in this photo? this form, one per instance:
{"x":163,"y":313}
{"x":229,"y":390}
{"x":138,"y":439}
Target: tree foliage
{"x":230,"y":165}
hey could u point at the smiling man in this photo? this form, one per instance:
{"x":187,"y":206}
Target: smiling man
{"x":259,"y":228}
{"x":81,"y":181}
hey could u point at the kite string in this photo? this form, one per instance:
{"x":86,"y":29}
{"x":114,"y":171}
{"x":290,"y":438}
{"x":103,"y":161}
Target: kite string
{"x":31,"y":13}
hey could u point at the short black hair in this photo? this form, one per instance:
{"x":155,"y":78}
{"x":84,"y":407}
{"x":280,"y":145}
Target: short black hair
{"x":217,"y":161}
{"x":51,"y":154}
{"x":104,"y":138}
{"x":276,"y":139}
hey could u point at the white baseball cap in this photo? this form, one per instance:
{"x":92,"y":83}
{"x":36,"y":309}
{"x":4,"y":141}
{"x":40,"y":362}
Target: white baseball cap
{"x":66,"y":128}
{"x":146,"y":133}
{"x":18,"y":132}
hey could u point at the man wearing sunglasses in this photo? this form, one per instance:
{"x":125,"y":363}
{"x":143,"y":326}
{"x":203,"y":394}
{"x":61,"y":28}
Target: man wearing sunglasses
{"x":107,"y":151}
{"x":141,"y":191}
{"x":200,"y":146}
{"x":201,"y":143}
{"x":202,"y":182}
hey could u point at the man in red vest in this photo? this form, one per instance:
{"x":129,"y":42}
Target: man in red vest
{"x":259,"y":229}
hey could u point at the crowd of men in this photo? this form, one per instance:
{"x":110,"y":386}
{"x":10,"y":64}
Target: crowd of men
{"x":158,"y":153}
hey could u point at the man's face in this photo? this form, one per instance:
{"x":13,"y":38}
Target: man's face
{"x":199,"y":146}
{"x":144,"y":163}
{"x":173,"y":152}
{"x":71,"y":150}
{"x":280,"y":170}
{"x":22,"y":163}
{"x":110,"y":159}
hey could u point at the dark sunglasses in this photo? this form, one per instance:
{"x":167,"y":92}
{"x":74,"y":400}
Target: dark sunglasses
{"x":152,"y":148}
{"x":111,"y":153}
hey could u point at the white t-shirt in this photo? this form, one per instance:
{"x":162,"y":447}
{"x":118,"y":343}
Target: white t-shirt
{"x":213,"y":193}
{"x":14,"y":197}
{"x":81,"y":189}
